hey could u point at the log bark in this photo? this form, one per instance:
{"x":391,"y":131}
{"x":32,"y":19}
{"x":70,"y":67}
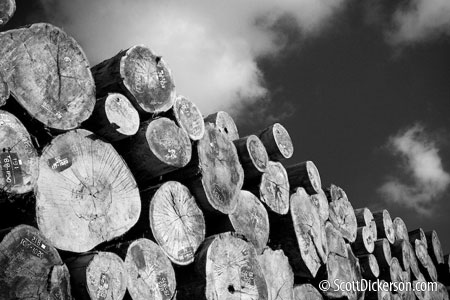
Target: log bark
{"x":4,"y":90}
{"x":306,"y":292}
{"x":188,"y":116}
{"x":384,"y":225}
{"x":253,"y":157}
{"x":342,"y":215}
{"x":278,"y":274}
{"x":382,"y":252}
{"x":114,"y":118}
{"x":98,"y":276}
{"x":85,"y":194}
{"x":425,"y":263}
{"x":434,"y":247}
{"x":300,"y":235}
{"x":60,"y":91}
{"x":177,"y":223}
{"x":149,"y":272}
{"x":28,"y":261}
{"x":417,"y":234}
{"x":402,"y":252}
{"x":370,"y":269}
{"x":277,"y":141}
{"x":139,"y":74}
{"x":305,"y":175}
{"x":400,"y":229}
{"x":444,"y":271}
{"x":214,"y":175}
{"x":19,"y":161}
{"x":320,"y":200}
{"x":228,"y":268}
{"x":335,"y":241}
{"x":364,"y":243}
{"x":250,"y":219}
{"x":223,"y":122}
{"x":7,"y":10}
{"x":158,"y":148}
{"x":364,"y":217}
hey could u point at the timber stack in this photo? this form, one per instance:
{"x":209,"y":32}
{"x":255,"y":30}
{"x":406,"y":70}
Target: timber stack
{"x":114,"y":186}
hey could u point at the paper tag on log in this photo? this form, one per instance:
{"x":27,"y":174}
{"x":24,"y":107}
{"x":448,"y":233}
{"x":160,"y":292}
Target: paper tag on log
{"x":11,"y":169}
{"x":247,"y":275}
{"x":60,"y":163}
{"x":103,"y":287}
{"x":186,"y":254}
{"x":163,"y":286}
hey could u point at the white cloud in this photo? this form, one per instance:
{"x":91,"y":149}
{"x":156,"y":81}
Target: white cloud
{"x":421,"y":20}
{"x":212,"y":47}
{"x":423,"y":164}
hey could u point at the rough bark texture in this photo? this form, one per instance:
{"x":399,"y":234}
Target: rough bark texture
{"x":364,"y":243}
{"x":370,"y":269}
{"x":385,"y":229}
{"x":228,"y":268}
{"x":320,"y":200}
{"x":98,"y":276}
{"x":400,"y":229}
{"x":4,"y":90}
{"x":19,"y":161}
{"x":48,"y":74}
{"x":149,"y":272}
{"x":139,"y":74}
{"x":177,"y":223}
{"x":425,"y":263}
{"x":189,"y":117}
{"x":342,"y":215}
{"x":250,"y":219}
{"x":114,"y":118}
{"x":85,"y":193}
{"x":223,"y":122}
{"x":7,"y":10}
{"x":277,"y":141}
{"x":382,"y":252}
{"x":253,"y":157}
{"x":28,"y":261}
{"x":402,"y":252}
{"x":417,"y":234}
{"x":306,"y":175}
{"x":278,"y":274}
{"x":306,"y":292}
{"x":434,"y":247}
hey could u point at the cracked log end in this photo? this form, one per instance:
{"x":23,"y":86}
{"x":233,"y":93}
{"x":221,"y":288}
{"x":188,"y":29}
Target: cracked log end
{"x":189,"y":117}
{"x":278,"y":273}
{"x":342,"y":215}
{"x":31,"y":267}
{"x":385,"y":228}
{"x":253,"y":156}
{"x":224,"y":123}
{"x":85,"y":193}
{"x":434,"y":247}
{"x":305,"y":175}
{"x":277,"y":141}
{"x":19,"y":161}
{"x":59,"y":90}
{"x":7,"y":10}
{"x":274,"y":188}
{"x":149,"y":271}
{"x":306,"y":292}
{"x":177,"y":223}
{"x":250,"y":219}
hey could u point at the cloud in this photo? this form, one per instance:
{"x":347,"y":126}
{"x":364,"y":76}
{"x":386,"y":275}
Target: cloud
{"x":420,"y":20}
{"x":423,"y":164}
{"x":212,"y":47}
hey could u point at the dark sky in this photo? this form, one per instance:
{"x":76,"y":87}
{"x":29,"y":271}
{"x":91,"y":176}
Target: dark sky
{"x":342,"y":94}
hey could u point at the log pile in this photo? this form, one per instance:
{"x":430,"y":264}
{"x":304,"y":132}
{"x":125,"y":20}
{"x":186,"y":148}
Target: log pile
{"x":116,"y":187}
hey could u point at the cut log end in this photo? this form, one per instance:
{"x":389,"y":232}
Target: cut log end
{"x":19,"y":161}
{"x":177,"y":223}
{"x":417,"y":234}
{"x":385,"y":228}
{"x":59,"y":284}
{"x":277,"y":141}
{"x":434,"y":247}
{"x":306,"y":175}
{"x":251,"y":220}
{"x":364,"y":243}
{"x":4,"y":90}
{"x":274,"y":188}
{"x":369,"y":266}
{"x":85,"y":193}
{"x":224,"y":123}
{"x":60,"y":93}
{"x":342,"y":215}
{"x":189,"y":118}
{"x":321,"y":202}
{"x":252,"y":155}
{"x":7,"y":10}
{"x":306,"y":292}
{"x":382,"y":252}
{"x":150,"y":274}
{"x":400,"y":229}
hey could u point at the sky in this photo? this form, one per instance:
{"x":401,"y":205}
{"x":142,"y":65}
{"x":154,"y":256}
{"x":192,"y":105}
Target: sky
{"x":363,"y":86}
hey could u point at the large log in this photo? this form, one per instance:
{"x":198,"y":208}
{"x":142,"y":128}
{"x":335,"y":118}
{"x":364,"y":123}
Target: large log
{"x":364,"y":217}
{"x":114,"y":118}
{"x":342,"y":215}
{"x":158,"y":148}
{"x":97,"y":276}
{"x":444,"y":271}
{"x":384,"y":225}
{"x":149,"y":272}
{"x":7,"y":10}
{"x":417,"y":234}
{"x":364,"y":243}
{"x":139,"y":74}
{"x":4,"y":90}
{"x":214,"y":175}
{"x":382,"y":252}
{"x":59,"y":90}
{"x":355,"y":276}
{"x":300,"y":235}
{"x":277,"y":141}
{"x":177,"y":223}
{"x":306,"y":175}
{"x":335,"y":241}
{"x":306,"y":291}
{"x":85,"y":194}
{"x":228,"y":268}
{"x":336,"y":271}
{"x":321,"y":201}
{"x":425,"y":263}
{"x":392,"y":274}
{"x":413,"y":263}
{"x":19,"y":161}
{"x":370,"y":269}
{"x":28,"y":261}
{"x":278,"y":274}
{"x":434,"y":247}
{"x":187,"y":115}
{"x":402,"y":252}
{"x":223,"y":122}
{"x":253,"y":157}
{"x":250,"y":219}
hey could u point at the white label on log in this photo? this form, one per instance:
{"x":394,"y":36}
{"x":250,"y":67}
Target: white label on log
{"x":163,"y":286}
{"x":103,"y":286}
{"x":35,"y":245}
{"x":60,"y":163}
{"x":186,"y":254}
{"x":11,"y":169}
{"x":247,"y":275}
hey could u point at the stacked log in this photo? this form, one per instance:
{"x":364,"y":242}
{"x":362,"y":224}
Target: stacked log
{"x":223,"y":122}
{"x":306,"y":175}
{"x":4,"y":91}
{"x":384,"y":225}
{"x":252,"y":156}
{"x":7,"y":10}
{"x":342,"y":215}
{"x":188,"y":117}
{"x":277,"y":141}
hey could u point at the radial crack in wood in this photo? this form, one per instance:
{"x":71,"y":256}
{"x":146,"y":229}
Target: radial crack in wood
{"x":223,"y":122}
